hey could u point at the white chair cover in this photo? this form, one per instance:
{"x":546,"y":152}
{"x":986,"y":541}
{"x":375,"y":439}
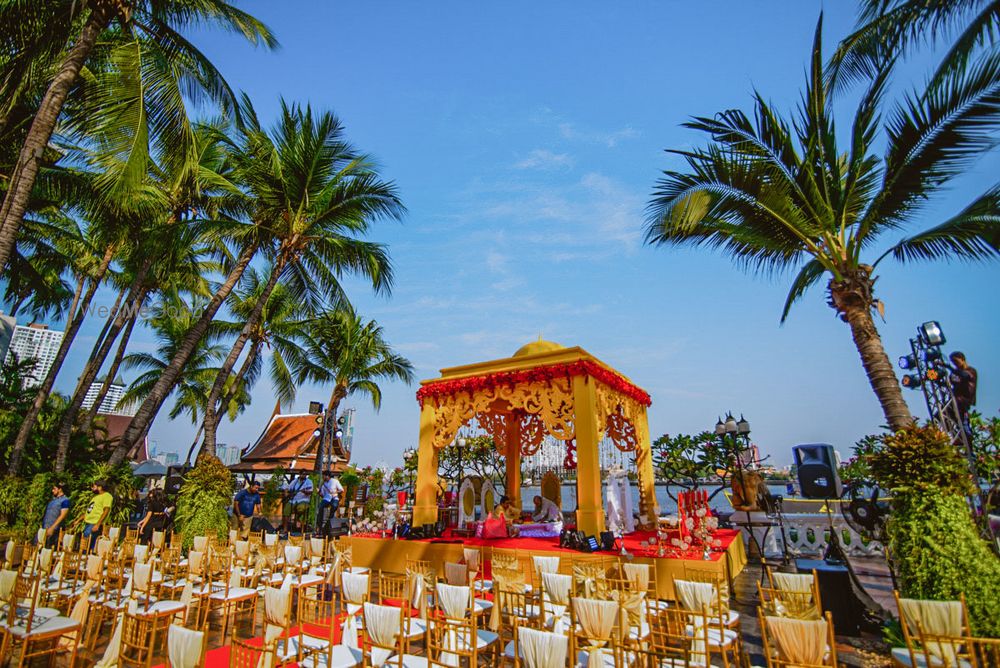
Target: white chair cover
{"x":241,"y":548}
{"x":456,"y":601}
{"x":545,"y":564}
{"x":103,"y":546}
{"x":456,"y":574}
{"x":541,"y":649}
{"x":316,"y":547}
{"x":44,"y":561}
{"x":67,"y":541}
{"x":638,"y":576}
{"x":184,"y":646}
{"x":7,"y":579}
{"x":800,"y":583}
{"x":141,"y":575}
{"x":555,"y":591}
{"x":40,"y":536}
{"x":382,"y":624}
{"x":114,"y":533}
{"x":940,"y":618}
{"x":472,"y":556}
{"x":354,"y":587}
{"x":200,"y":543}
{"x":110,"y":658}
{"x":140,"y":552}
{"x":695,"y":595}
{"x":293,"y":555}
{"x":270,"y":539}
{"x":799,"y":640}
{"x":233,"y":535}
{"x":159,"y":538}
{"x":597,"y":619}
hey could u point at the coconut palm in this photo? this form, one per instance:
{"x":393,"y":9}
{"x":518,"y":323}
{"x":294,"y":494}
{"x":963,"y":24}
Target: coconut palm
{"x":157,"y":22}
{"x":346,"y":351}
{"x":887,"y":27}
{"x":776,"y":194}
{"x":315,"y":196}
{"x":172,"y":319}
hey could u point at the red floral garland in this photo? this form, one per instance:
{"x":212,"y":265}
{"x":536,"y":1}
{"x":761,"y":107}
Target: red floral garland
{"x":569,"y":461}
{"x":473,"y":384}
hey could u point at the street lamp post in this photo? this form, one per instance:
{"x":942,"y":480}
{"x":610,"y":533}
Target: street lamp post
{"x":408,"y":455}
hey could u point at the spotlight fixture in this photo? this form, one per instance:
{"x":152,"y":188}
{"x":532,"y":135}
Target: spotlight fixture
{"x":342,"y":420}
{"x":933,"y":375}
{"x":317,"y":433}
{"x":911,"y":380}
{"x":931,"y":333}
{"x":339,"y":433}
{"x":908,"y":362}
{"x":932,"y":355}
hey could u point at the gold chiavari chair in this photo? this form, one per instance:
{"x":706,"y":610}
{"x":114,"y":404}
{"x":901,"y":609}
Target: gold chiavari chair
{"x":395,"y":589}
{"x":228,"y":593}
{"x":427,"y":575}
{"x":37,"y":630}
{"x":787,"y":603}
{"x":937,"y":618}
{"x":317,"y":625}
{"x":131,"y":535}
{"x":138,"y":640}
{"x":798,"y":643}
{"x":251,"y":654}
{"x":355,"y":592}
{"x":675,"y":640}
{"x":704,"y":598}
{"x":385,"y":637}
{"x":590,"y":579}
{"x":951,"y":651}
{"x":512,"y":605}
{"x":595,"y":630}
{"x":695,"y":572}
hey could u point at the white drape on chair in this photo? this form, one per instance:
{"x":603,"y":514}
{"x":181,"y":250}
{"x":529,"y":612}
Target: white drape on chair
{"x":545,"y":564}
{"x":7,"y":579}
{"x":293,"y":555}
{"x":382,"y":624}
{"x":184,"y":646}
{"x":110,"y":658}
{"x":456,"y":574}
{"x":416,"y":584}
{"x":67,"y":541}
{"x":555,"y":591}
{"x":597,"y":619}
{"x":939,"y":618}
{"x":455,"y":600}
{"x":200,"y":543}
{"x":541,"y":649}
{"x":114,"y":533}
{"x":355,"y":589}
{"x":103,"y":546}
{"x":159,"y":537}
{"x":140,"y":552}
{"x":270,"y":539}
{"x":637,"y":576}
{"x":471,"y":555}
{"x":799,"y":640}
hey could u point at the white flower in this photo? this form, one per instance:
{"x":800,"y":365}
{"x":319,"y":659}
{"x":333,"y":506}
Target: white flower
{"x":689,"y":522}
{"x":700,"y":512}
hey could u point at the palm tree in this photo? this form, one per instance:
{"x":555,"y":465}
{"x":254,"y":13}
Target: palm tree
{"x":171,"y":321}
{"x":314,"y":195}
{"x":157,"y":22}
{"x":344,"y":350}
{"x":886,"y":27}
{"x":775,"y":194}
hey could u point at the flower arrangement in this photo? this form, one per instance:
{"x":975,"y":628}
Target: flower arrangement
{"x":699,"y":530}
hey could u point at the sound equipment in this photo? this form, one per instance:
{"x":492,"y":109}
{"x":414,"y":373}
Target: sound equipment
{"x":607,"y":540}
{"x":816,"y":467}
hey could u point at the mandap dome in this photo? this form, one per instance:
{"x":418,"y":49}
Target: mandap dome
{"x":536,"y":347}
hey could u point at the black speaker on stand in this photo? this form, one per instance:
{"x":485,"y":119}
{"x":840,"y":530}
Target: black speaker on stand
{"x":816,"y":468}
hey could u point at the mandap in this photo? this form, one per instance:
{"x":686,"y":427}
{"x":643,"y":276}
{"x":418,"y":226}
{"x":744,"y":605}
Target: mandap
{"x":544,"y":389}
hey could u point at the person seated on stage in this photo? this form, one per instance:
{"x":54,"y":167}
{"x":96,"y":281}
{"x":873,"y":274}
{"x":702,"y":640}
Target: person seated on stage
{"x":546,"y":511}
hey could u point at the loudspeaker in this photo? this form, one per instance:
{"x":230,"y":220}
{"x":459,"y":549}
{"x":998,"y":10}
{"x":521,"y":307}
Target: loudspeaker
{"x":816,"y":467}
{"x":607,"y":540}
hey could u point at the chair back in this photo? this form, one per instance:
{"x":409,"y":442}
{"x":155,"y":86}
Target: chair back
{"x":590,"y":579}
{"x":454,"y":602}
{"x":138,"y":639}
{"x":384,"y":626}
{"x":696,"y":572}
{"x":798,"y":643}
{"x":317,"y":618}
{"x":456,"y":574}
{"x":934,"y":618}
{"x":502,"y":558}
{"x":540,"y":649}
{"x":452,"y":642}
{"x":595,"y":629}
{"x":252,"y":654}
{"x":393,"y":590}
{"x":186,"y":647}
{"x":22,"y":599}
{"x":786,"y":603}
{"x":670,"y":643}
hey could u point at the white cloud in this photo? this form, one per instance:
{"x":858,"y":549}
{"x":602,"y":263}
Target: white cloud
{"x":544,"y":159}
{"x":610,"y":139}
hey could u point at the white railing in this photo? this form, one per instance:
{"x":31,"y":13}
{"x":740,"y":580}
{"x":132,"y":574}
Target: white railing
{"x":806,"y":534}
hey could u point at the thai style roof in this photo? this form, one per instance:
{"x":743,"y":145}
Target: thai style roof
{"x":115,"y":425}
{"x":287,"y":442}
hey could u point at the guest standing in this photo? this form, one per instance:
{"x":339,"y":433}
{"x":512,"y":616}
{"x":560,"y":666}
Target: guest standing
{"x":55,"y":514}
{"x":97,"y":512}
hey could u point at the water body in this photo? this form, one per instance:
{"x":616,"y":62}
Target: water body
{"x":667,"y":505}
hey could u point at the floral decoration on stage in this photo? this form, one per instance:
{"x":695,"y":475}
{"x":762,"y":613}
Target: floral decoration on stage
{"x":474,"y":384}
{"x":696,"y":525}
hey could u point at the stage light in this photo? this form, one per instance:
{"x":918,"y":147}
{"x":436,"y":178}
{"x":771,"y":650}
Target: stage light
{"x":932,"y":355}
{"x":315,"y":407}
{"x":932,"y":375}
{"x":342,"y":420}
{"x":317,"y":433}
{"x":908,"y":362}
{"x":911,"y":380}
{"x":339,"y":433}
{"x":931,"y":333}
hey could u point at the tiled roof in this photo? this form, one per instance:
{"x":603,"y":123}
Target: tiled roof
{"x":116,"y":426}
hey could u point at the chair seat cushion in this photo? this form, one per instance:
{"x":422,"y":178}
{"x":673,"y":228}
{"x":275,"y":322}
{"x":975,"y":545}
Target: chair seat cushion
{"x":341,"y":657}
{"x":902,"y":656}
{"x":52,"y":625}
{"x":234,"y":594}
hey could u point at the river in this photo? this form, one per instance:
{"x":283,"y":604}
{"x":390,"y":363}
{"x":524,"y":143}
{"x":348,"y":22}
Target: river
{"x":667,"y":505}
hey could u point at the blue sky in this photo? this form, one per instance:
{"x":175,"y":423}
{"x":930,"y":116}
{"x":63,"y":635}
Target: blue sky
{"x":525,"y":139}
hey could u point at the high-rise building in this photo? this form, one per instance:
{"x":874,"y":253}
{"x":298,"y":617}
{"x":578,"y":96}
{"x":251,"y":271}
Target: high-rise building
{"x":170,"y":458}
{"x":110,"y":404}
{"x":34,"y":342}
{"x":228,"y":454}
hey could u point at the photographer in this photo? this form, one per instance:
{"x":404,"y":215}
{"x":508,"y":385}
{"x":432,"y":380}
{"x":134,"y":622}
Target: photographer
{"x":963,"y":383}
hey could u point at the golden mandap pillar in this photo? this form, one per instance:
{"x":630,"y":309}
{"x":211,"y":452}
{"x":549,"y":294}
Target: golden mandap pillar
{"x":425,"y":508}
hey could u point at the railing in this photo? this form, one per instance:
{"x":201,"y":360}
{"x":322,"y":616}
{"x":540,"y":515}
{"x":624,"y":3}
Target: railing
{"x":806,"y":534}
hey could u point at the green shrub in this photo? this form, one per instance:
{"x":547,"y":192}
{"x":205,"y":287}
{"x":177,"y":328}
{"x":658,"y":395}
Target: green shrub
{"x":937,"y":550}
{"x":12,"y":492}
{"x":121,"y":484}
{"x":204,"y":499}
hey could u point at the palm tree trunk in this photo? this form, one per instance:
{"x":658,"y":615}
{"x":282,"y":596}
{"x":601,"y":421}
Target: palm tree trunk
{"x":77,"y":294}
{"x":136,"y":295}
{"x":211,"y":408}
{"x":22,"y":179}
{"x":76,"y":319}
{"x":143,"y":417}
{"x":115,"y":365}
{"x":112,"y":314}
{"x":241,"y":374}
{"x":877,"y":366}
{"x":194,"y":444}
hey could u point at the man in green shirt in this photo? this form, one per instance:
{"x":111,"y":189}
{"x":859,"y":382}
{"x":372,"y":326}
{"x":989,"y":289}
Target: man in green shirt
{"x":97,"y":512}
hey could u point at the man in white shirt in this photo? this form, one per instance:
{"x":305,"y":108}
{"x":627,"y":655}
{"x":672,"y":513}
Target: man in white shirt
{"x":297,"y":494}
{"x":546,"y":510}
{"x":330,"y":491}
